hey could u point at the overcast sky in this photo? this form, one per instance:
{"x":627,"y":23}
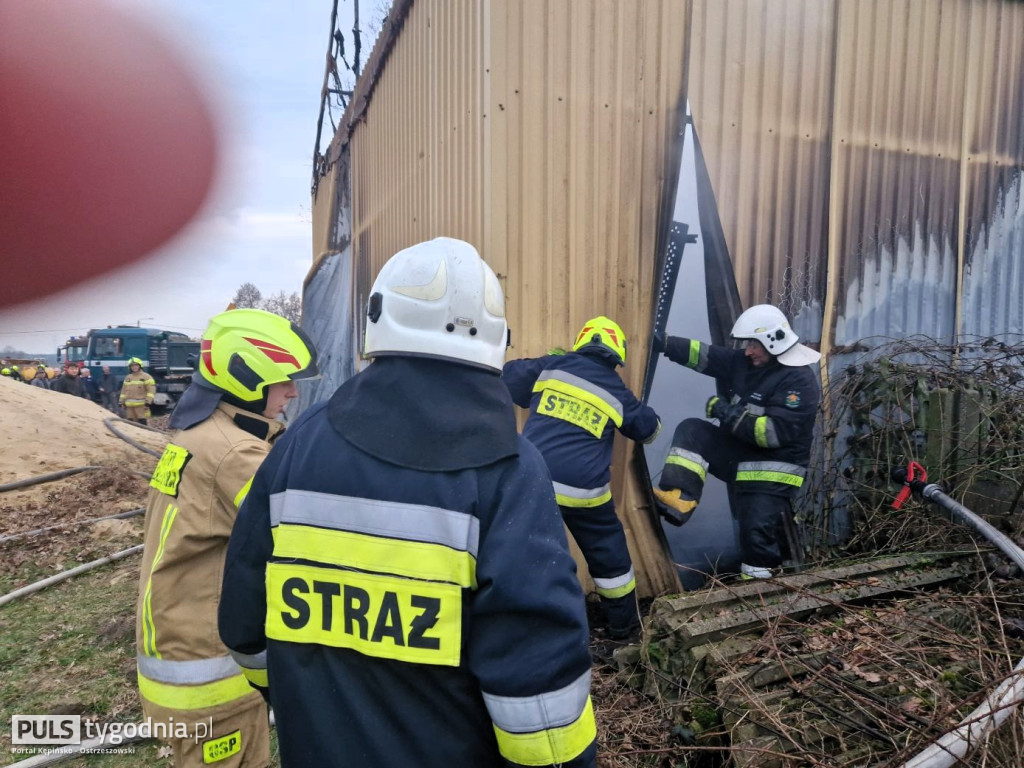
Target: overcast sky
{"x":262,"y":62}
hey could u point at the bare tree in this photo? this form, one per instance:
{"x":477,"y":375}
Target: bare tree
{"x":248,"y":296}
{"x":286,"y":305}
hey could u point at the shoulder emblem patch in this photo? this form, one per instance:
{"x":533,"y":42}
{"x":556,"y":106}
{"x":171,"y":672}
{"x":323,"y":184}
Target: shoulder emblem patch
{"x":792,"y":399}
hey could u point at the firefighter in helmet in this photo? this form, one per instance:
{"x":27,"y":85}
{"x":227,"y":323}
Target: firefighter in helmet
{"x":577,"y":401}
{"x":399,"y":574}
{"x":138,"y":391}
{"x":226,"y":422}
{"x":762,"y":444}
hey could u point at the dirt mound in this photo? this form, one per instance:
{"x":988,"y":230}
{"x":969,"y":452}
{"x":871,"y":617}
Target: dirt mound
{"x":43,"y":431}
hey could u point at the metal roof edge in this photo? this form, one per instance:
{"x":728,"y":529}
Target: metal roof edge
{"x":360,"y":100}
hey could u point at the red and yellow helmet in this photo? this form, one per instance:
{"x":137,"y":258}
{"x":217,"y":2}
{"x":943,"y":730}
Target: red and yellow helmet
{"x":605,"y":331}
{"x":243,"y":351}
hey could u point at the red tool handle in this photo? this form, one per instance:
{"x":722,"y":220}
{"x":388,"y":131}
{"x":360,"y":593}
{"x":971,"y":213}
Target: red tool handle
{"x":914,"y":472}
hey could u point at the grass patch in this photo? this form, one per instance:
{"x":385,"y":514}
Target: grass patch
{"x":71,"y":649}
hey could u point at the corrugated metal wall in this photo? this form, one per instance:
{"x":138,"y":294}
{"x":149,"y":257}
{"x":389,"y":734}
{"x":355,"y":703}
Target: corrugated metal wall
{"x":537,"y":131}
{"x":760,"y":89}
{"x":865,"y":155}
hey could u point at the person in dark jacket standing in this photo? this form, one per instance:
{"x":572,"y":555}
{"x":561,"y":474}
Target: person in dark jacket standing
{"x":398,"y":575}
{"x":70,"y":383}
{"x":577,"y":402}
{"x":40,"y":380}
{"x":108,"y":388}
{"x":762,"y":444}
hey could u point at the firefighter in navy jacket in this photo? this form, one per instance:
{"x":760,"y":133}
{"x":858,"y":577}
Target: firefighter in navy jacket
{"x":576,"y":403}
{"x":399,"y":576}
{"x":762,"y":444}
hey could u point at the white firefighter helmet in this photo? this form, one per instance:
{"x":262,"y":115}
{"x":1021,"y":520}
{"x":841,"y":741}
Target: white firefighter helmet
{"x":768,"y":325}
{"x":438,"y":299}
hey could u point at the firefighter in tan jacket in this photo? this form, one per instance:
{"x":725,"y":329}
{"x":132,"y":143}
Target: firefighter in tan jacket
{"x":137,"y":392}
{"x":227,"y":420}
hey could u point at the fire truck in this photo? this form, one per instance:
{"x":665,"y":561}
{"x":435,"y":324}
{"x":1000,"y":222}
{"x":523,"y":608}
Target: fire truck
{"x":168,"y":356}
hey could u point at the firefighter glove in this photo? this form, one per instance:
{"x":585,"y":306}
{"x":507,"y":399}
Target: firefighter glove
{"x":659,"y":343}
{"x":726,"y":414}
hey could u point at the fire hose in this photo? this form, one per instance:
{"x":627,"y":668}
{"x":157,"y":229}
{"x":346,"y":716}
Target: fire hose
{"x":950,"y":748}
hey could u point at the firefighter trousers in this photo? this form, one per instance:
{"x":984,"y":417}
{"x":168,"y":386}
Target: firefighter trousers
{"x":761,"y":490}
{"x":598,"y":533}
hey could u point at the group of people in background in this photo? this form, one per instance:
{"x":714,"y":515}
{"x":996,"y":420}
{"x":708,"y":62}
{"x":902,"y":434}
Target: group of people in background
{"x":131,"y":397}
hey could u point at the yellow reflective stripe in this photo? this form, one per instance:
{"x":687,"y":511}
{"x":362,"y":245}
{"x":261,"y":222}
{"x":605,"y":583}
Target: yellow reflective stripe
{"x":240,"y":496}
{"x":685,"y":463}
{"x":574,"y":501}
{"x":760,"y":431}
{"x":694,"y":358}
{"x":564,"y":387}
{"x":257,"y":677}
{"x":551,"y":746}
{"x":766,"y":476}
{"x":625,"y":589}
{"x":412,"y":559}
{"x":148,"y":626}
{"x":191,"y":697}
{"x":382,"y":616}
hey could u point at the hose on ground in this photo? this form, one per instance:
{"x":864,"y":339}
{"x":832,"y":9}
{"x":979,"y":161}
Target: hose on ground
{"x":64,"y":575}
{"x":89,"y":521}
{"x":109,"y":424}
{"x":47,"y":478}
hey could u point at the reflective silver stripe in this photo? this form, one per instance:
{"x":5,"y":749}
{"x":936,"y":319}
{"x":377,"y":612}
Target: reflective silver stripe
{"x":770,"y":435}
{"x":187,"y":672}
{"x":757,"y":410}
{"x":390,"y":519}
{"x":617,"y":581}
{"x":771,"y":466}
{"x":654,"y":435}
{"x":581,"y":493}
{"x":696,"y":458}
{"x":580,"y":383}
{"x":527,"y":714}
{"x":250,"y":660}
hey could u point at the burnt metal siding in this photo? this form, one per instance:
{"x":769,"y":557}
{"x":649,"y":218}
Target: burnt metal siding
{"x":760,"y":90}
{"x":865,"y":156}
{"x":537,"y":131}
{"x":898,"y":123}
{"x":417,"y":155}
{"x":993,"y":281}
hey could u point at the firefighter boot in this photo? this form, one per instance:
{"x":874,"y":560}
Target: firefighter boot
{"x":674,"y":507}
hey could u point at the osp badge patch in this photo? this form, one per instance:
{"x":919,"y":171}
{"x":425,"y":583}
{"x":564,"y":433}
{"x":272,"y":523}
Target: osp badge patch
{"x":792,"y":399}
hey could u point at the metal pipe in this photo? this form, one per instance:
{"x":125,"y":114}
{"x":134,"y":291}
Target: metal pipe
{"x":59,"y":577}
{"x":933,"y":492}
{"x":999,"y":705}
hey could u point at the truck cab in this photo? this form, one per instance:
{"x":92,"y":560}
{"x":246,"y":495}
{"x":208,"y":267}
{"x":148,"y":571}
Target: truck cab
{"x":169,"y":357}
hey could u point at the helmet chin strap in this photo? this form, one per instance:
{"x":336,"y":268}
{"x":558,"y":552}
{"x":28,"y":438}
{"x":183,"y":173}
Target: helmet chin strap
{"x":253,"y":406}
